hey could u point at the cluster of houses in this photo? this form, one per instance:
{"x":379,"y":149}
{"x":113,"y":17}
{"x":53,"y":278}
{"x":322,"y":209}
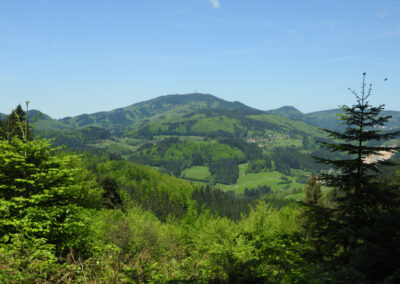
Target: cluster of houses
{"x":261,"y":142}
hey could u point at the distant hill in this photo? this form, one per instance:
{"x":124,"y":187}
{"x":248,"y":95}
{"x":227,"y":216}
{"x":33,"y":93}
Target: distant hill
{"x":328,"y":118}
{"x":192,"y":117}
{"x":184,"y":133}
{"x":193,"y":114}
{"x":190,"y":114}
{"x":121,"y":119}
{"x":196,"y":114}
{"x":289,"y":112}
{"x":223,"y":123}
{"x":171,"y":111}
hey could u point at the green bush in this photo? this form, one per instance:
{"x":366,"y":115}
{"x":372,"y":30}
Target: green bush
{"x":42,"y":195}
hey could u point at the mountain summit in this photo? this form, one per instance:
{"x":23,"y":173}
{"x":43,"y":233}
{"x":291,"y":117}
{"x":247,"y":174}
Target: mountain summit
{"x":160,"y":107}
{"x":288,"y":112}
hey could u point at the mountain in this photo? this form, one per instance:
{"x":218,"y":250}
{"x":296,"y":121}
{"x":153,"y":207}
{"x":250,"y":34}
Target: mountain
{"x":289,"y":112}
{"x":185,"y":134}
{"x":328,"y":118}
{"x":194,"y":118}
{"x":121,"y":119}
{"x":45,"y":122}
{"x":191,"y":114}
{"x":223,"y":123}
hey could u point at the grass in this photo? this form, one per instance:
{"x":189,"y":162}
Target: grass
{"x":296,"y":196}
{"x":273,"y":179}
{"x":251,"y":180}
{"x":197,"y":173}
{"x":242,"y":169}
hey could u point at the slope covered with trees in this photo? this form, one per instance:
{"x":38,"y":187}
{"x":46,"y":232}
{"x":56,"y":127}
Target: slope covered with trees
{"x":68,"y":218}
{"x":327,"y":119}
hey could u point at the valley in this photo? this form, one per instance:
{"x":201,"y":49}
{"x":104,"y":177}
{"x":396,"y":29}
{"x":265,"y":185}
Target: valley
{"x":177,"y":183}
{"x":204,"y":139}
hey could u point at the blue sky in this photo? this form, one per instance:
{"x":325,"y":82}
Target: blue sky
{"x":72,"y":57}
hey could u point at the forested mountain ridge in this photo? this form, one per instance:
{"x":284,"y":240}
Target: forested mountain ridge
{"x":328,"y":118}
{"x":189,"y":114}
{"x":200,"y":121}
{"x":178,"y":115}
{"x":221,"y":122}
{"x":121,"y":119}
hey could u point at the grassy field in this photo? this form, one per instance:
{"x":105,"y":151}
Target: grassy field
{"x":242,"y":169}
{"x":272,"y":179}
{"x":297,"y":196}
{"x":197,"y":173}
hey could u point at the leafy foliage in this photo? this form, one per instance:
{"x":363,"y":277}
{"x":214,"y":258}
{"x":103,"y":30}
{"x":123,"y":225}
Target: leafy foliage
{"x":42,"y":200}
{"x":155,"y":191}
{"x":218,"y":202}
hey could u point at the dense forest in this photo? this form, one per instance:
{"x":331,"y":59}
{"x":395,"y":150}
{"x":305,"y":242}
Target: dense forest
{"x":69,"y":216}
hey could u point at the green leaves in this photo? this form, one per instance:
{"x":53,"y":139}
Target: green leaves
{"x":40,"y":194}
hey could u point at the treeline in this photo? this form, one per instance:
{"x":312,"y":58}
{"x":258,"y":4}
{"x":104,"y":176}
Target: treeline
{"x":286,"y":158}
{"x":151,"y":190}
{"x":220,"y":203}
{"x":76,"y":139}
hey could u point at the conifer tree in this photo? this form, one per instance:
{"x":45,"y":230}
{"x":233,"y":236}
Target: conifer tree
{"x":361,"y":231}
{"x":313,"y":191}
{"x":15,"y":125}
{"x":111,"y":196}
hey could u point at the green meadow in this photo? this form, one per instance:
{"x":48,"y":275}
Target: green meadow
{"x":199,"y":173}
{"x":272,"y":179}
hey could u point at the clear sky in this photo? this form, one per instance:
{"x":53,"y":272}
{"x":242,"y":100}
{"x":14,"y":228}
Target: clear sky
{"x":70,"y":57}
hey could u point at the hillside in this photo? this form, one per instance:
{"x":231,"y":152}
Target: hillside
{"x":289,"y":112}
{"x":178,"y":115}
{"x":122,"y":119}
{"x":200,"y":137}
{"x":190,"y":114}
{"x":328,"y":118}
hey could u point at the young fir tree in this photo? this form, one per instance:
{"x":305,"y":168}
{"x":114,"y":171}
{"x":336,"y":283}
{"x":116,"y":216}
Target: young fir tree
{"x":111,"y":196}
{"x":360,"y":234}
{"x":313,"y":191}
